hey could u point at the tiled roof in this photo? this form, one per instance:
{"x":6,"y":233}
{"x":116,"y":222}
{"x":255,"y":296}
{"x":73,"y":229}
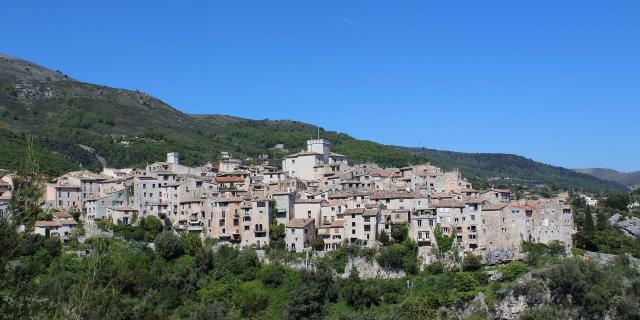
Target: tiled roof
{"x":47,"y":224}
{"x":299,"y":223}
{"x":229,"y":179}
{"x":494,"y":206}
{"x":352,"y":211}
{"x":448,"y":203}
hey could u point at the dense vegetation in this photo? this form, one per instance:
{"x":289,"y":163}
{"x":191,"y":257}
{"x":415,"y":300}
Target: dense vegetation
{"x":130,"y":128}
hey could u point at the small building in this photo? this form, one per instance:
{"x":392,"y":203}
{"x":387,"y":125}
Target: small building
{"x":299,"y":234}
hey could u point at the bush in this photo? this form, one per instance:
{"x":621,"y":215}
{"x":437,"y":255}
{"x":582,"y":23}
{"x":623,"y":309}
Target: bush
{"x":272,"y":276}
{"x":190,"y":243}
{"x":318,"y":243}
{"x":167,"y":245}
{"x":471,"y":262}
{"x":435,"y":268}
{"x":513,"y":270}
{"x":399,"y":232}
{"x":384,"y":238}
{"x":391,"y":257}
{"x":151,"y":227}
{"x":465,"y":281}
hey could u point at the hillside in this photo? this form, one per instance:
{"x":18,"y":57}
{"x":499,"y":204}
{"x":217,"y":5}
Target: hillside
{"x":131,"y":128}
{"x":630,"y":180}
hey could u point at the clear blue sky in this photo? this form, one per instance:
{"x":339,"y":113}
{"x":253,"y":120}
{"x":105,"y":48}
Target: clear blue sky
{"x":556,"y":81}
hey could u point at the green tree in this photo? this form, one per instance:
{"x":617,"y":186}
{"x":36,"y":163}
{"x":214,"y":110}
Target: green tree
{"x":601,"y":221}
{"x":359,"y":294}
{"x":151,"y":226}
{"x":399,"y":232}
{"x":471,"y":262}
{"x":318,"y":243}
{"x":384,"y":238}
{"x":588,"y":227}
{"x":617,"y":200}
{"x":190,"y":243}
{"x":25,"y":203}
{"x":276,"y":236}
{"x":167,"y":245}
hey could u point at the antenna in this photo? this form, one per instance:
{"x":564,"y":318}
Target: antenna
{"x":318,"y":132}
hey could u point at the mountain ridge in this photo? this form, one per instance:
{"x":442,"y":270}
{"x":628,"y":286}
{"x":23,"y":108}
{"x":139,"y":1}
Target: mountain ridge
{"x":132,"y":128}
{"x":630,"y":180}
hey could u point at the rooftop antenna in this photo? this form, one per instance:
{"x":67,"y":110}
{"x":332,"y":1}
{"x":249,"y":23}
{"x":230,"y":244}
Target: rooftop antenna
{"x":318,"y":133}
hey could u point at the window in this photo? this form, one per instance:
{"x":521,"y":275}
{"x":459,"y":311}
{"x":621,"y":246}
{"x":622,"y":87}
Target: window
{"x":419,"y":223}
{"x":367,"y":228}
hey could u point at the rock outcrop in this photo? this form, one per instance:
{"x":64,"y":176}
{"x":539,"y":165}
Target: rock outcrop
{"x":630,"y":226}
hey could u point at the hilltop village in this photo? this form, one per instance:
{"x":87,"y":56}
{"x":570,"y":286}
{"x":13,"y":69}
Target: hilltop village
{"x":315,"y":194}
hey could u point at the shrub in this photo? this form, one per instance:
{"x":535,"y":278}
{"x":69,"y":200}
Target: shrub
{"x":272,"y":276}
{"x":464,"y":281}
{"x":167,"y":245}
{"x":435,"y":268}
{"x":399,"y":232}
{"x":471,"y":262}
{"x":391,"y":257}
{"x":513,"y":270}
{"x":190,"y":243}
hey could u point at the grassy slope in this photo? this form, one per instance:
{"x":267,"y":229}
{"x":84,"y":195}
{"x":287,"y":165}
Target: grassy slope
{"x":63,"y":113}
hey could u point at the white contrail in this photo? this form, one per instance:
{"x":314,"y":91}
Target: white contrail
{"x":353,"y":23}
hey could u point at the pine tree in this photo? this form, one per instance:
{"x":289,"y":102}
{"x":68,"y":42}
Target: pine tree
{"x":601,"y":222}
{"x":588,"y":226}
{"x":25,"y":204}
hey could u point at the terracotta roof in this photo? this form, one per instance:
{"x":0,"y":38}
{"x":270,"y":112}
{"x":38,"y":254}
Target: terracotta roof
{"x":62,"y":215}
{"x":370,"y":213}
{"x":67,"y":222}
{"x":448,"y":203}
{"x":337,"y":223}
{"x":494,"y":206}
{"x":229,"y":179}
{"x":352,"y":211}
{"x":47,"y":224}
{"x":395,"y":195}
{"x":300,"y":223}
{"x":473,"y":200}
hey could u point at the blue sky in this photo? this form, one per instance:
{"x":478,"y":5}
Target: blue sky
{"x":556,"y":81}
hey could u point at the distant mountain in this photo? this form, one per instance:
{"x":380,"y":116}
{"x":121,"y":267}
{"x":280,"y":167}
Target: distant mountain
{"x":630,"y":180}
{"x":74,"y":122}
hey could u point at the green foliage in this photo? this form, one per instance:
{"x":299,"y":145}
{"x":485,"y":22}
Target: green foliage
{"x":537,"y":253}
{"x":417,"y":308}
{"x":588,"y":227}
{"x":471,"y":262}
{"x":465,"y":281}
{"x":358,"y":293}
{"x":400,"y":257}
{"x":444,"y":243}
{"x":167,"y":245}
{"x":384,"y":238}
{"x":190,"y":243}
{"x":151,"y":226}
{"x":616,"y":200}
{"x":399,"y":232}
{"x":318,"y":243}
{"x":276,"y":236}
{"x":272,"y":276}
{"x":512,"y":270}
